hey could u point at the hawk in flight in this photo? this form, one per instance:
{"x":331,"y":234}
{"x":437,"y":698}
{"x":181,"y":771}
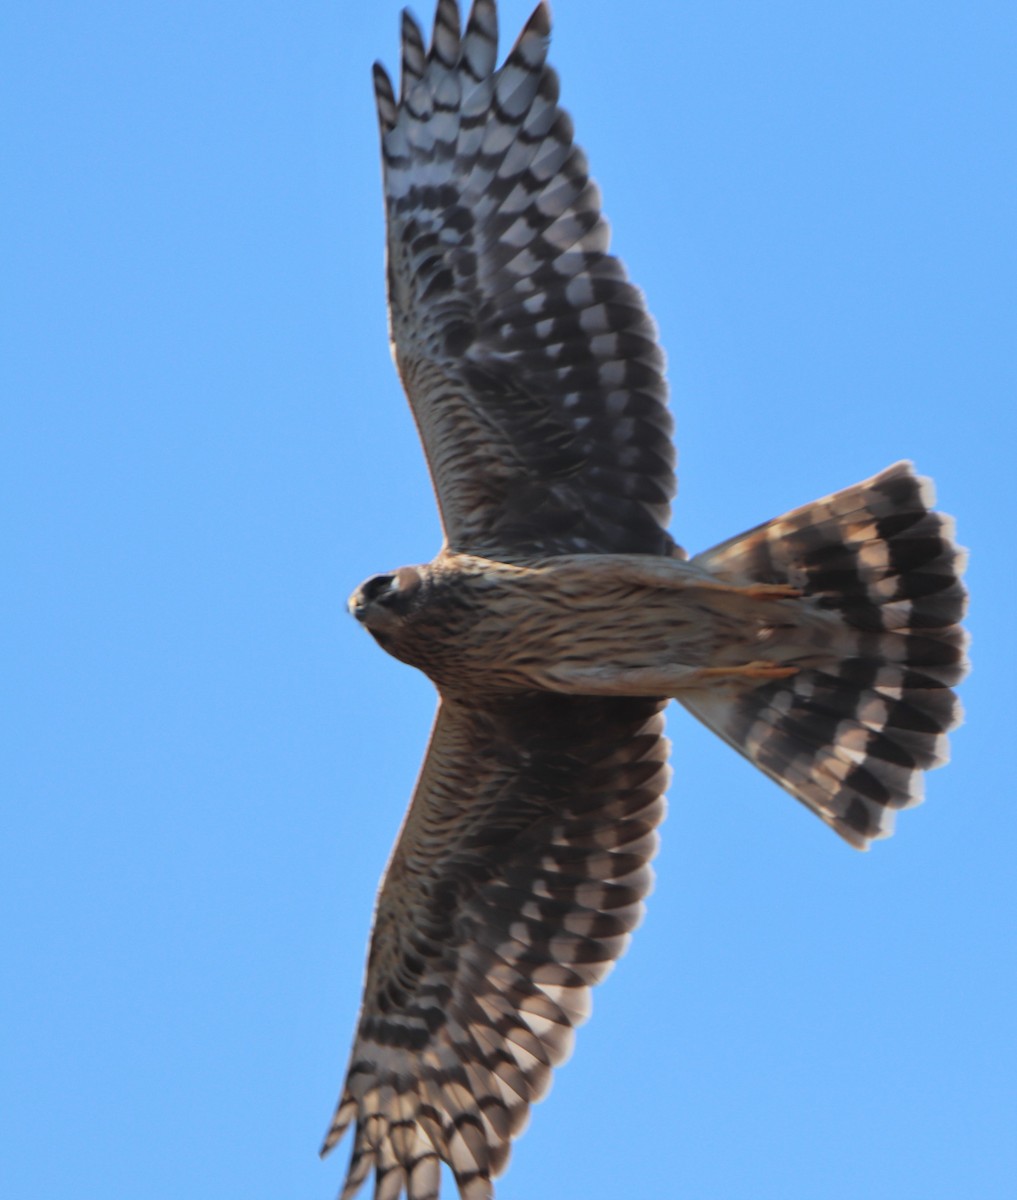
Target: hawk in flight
{"x":559,"y":617}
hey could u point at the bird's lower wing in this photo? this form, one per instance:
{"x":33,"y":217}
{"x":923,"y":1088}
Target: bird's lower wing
{"x":516,"y":880}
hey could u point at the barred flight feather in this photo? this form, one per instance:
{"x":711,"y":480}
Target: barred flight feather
{"x":519,"y":874}
{"x":530,"y":361}
{"x":852,"y":732}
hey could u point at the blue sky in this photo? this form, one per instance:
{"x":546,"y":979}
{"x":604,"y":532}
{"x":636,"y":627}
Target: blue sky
{"x":206,"y":449}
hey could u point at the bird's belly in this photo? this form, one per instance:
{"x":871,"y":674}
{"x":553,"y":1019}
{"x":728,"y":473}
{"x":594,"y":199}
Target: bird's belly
{"x":603,"y":618}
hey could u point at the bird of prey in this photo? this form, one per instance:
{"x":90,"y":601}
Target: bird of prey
{"x":559,"y":617}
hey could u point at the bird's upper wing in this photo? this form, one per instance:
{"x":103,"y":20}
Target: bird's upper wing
{"x":516,"y":880}
{"x":530,"y":362}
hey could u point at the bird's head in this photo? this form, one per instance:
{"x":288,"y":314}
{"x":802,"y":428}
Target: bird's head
{"x":382,"y":603}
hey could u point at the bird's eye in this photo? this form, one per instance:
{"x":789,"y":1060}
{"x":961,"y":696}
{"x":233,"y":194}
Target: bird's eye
{"x":377,"y":587}
{"x":395,"y":585}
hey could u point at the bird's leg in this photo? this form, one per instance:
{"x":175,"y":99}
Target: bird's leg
{"x":751,"y":591}
{"x":671,"y":574}
{"x":756,"y":671}
{"x":668,"y":680}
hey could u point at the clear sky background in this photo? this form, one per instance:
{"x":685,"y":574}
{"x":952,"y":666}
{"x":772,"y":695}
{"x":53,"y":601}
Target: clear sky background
{"x":206,"y":448}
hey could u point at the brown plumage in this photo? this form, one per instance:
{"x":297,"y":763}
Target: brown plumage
{"x":560,"y":616}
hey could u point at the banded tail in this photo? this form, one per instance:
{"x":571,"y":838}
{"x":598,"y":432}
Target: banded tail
{"x":851,"y":735}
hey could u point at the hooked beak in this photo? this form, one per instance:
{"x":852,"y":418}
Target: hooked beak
{"x":356,"y":606}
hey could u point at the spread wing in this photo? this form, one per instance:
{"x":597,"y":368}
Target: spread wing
{"x":530,"y":361}
{"x":518,"y":875}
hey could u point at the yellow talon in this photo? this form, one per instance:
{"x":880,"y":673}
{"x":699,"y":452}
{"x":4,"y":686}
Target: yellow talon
{"x":752,"y":670}
{"x":773,"y":591}
{"x":754,"y":591}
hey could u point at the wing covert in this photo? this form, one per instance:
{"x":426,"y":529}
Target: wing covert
{"x":517,"y":878}
{"x":530,"y":361}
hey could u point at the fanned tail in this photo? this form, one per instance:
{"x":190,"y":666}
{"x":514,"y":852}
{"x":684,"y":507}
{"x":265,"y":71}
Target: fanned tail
{"x":850,"y":734}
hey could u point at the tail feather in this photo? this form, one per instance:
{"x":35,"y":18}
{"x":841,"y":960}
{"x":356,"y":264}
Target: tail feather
{"x":851,"y":733}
